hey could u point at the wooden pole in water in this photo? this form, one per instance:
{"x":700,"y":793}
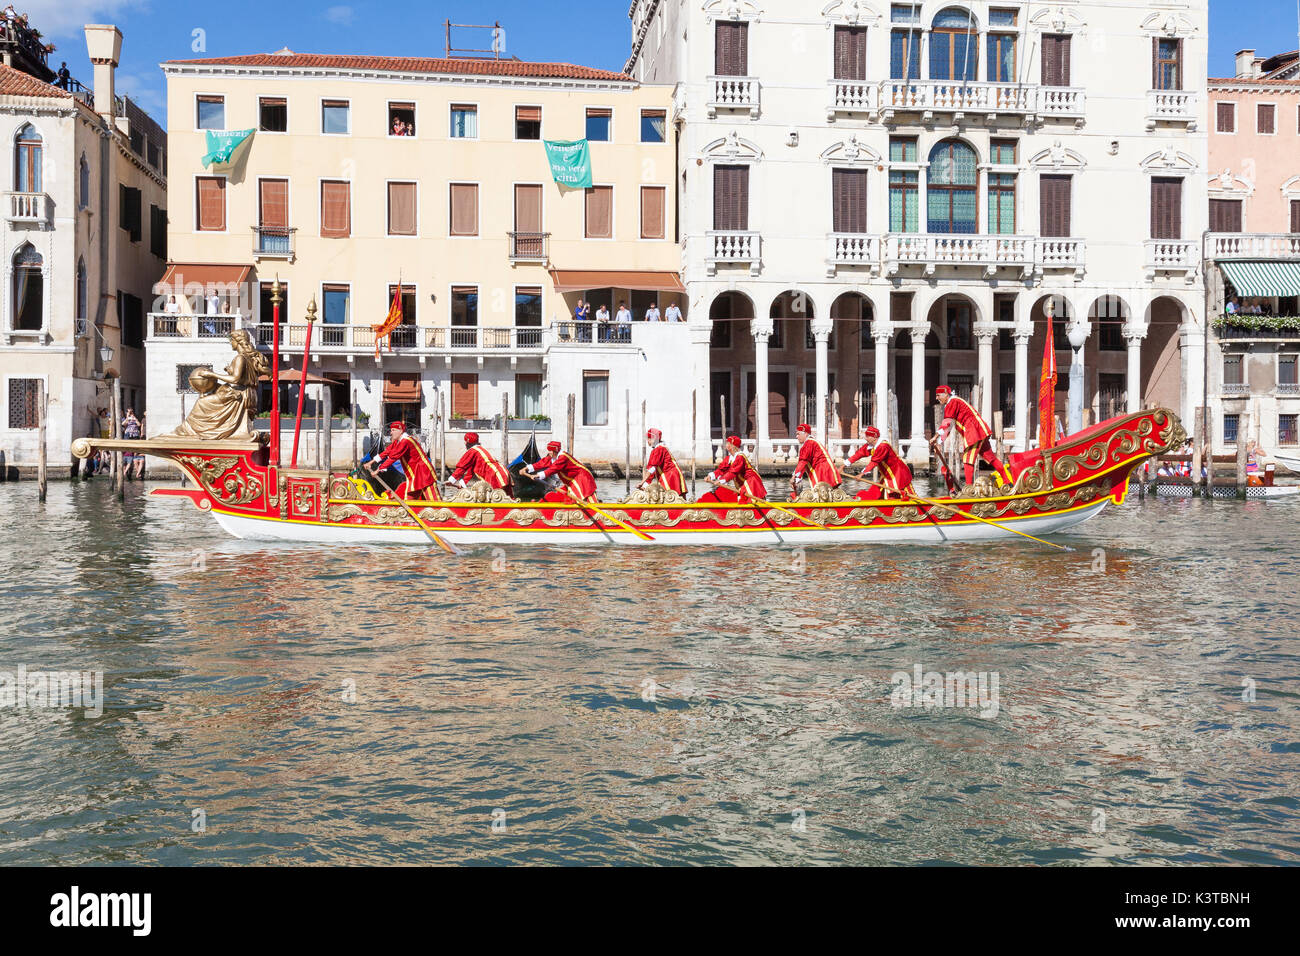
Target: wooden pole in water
{"x":695,"y":441}
{"x":182,"y":470}
{"x":1241,"y":462}
{"x":643,"y":443}
{"x":505,"y":428}
{"x":569,"y":433}
{"x":356,"y":460}
{"x":119,"y":482}
{"x":42,"y":413}
{"x":627,"y":440}
{"x":1198,"y":440}
{"x":328,"y":415}
{"x":442,"y":435}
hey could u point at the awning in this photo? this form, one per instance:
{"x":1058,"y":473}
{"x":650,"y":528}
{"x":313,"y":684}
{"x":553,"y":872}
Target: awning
{"x":571,"y":281}
{"x":1263,"y":278}
{"x":193,"y":278}
{"x":401,"y":386}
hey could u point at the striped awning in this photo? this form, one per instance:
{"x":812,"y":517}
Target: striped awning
{"x":1263,"y":278}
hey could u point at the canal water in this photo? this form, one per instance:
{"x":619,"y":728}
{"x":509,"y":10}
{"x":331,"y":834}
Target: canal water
{"x":1135,"y":698}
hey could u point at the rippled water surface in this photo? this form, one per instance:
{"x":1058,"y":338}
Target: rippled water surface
{"x":511,"y":686}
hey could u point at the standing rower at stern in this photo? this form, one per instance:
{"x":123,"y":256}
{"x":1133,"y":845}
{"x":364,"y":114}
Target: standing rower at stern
{"x":974,"y":432}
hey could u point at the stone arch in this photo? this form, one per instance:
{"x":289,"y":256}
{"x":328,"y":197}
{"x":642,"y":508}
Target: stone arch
{"x":1162,"y":380}
{"x":27,"y":304}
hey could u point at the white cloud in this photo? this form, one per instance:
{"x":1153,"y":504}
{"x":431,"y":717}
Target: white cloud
{"x":146,"y":90}
{"x":341,"y":15}
{"x":63,"y":19}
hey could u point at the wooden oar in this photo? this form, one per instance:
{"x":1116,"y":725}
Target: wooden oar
{"x":916,"y":499}
{"x":763,"y":503}
{"x":605,"y":514}
{"x":437,"y":539}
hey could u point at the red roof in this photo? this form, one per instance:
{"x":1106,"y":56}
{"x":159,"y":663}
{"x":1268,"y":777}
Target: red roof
{"x":17,"y":83}
{"x":410,"y":64}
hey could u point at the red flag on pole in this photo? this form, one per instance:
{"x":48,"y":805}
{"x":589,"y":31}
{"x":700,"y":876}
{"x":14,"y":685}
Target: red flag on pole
{"x":1047,"y":393}
{"x":394,"y":319}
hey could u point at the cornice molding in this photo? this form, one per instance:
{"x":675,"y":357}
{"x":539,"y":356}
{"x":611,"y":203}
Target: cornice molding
{"x":237,"y":71}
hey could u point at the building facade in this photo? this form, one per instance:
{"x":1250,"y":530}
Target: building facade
{"x":878,"y":198}
{"x":1253,"y":253}
{"x":82,"y":242}
{"x":363,"y":175}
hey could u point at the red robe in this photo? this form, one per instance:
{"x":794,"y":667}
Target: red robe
{"x":736,"y":468}
{"x":575,"y":475}
{"x":415,"y":465}
{"x":477,"y":462}
{"x":816,"y":464}
{"x":967,"y":421}
{"x":894,"y":473}
{"x":661,"y":469}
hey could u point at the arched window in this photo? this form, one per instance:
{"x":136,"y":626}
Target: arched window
{"x":954,"y":45}
{"x":81,"y":289}
{"x":728,"y":309}
{"x":28,"y":290}
{"x":791,"y":305}
{"x":950,"y":185}
{"x":27,"y":160}
{"x":83,"y":184}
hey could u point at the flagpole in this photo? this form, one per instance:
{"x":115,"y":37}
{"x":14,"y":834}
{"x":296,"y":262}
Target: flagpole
{"x":302,"y":382}
{"x":275,"y":371}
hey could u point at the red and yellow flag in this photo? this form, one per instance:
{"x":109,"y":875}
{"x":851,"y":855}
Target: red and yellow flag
{"x":1047,"y":394}
{"x":393,"y":321}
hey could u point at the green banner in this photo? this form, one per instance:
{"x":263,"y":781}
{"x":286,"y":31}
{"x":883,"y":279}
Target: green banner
{"x":222,"y":144}
{"x":570,"y":163}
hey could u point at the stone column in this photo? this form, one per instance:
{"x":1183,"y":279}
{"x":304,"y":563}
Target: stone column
{"x":1078,"y":336}
{"x":1022,"y":336}
{"x":821,"y":330}
{"x":984,"y":336}
{"x":761,"y":329}
{"x":881,"y":333}
{"x":920,"y":451}
{"x":1133,"y":381}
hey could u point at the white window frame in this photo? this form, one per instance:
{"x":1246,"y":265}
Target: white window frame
{"x":220,"y":96}
{"x":388,"y":212}
{"x":273,"y":132}
{"x":4,"y":422}
{"x":1235,"y":116}
{"x":613,"y":215}
{"x":210,"y":232}
{"x":320,"y":207}
{"x":477,"y":117}
{"x":388,"y":128}
{"x":478,"y":208}
{"x":596,"y":106}
{"x":641,"y":206}
{"x":320,"y":113}
{"x":541,"y":126}
{"x":1272,"y":103}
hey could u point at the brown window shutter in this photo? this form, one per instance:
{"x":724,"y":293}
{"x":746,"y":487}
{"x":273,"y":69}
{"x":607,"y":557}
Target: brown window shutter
{"x":1166,"y":208}
{"x":1295,"y":215}
{"x":528,"y":114}
{"x":1266,"y":118}
{"x":1155,"y":63}
{"x":600,"y":209}
{"x":1065,"y":61}
{"x":850,"y":53}
{"x":849,"y":209}
{"x":1225,"y":215}
{"x":401,"y":386}
{"x":211,"y":203}
{"x":273,"y":203}
{"x":464,"y":209}
{"x":1225,"y":117}
{"x":1056,"y":60}
{"x":1054,"y":205}
{"x":731,"y":197}
{"x":652,"y":212}
{"x":464,"y":395}
{"x":335,"y":210}
{"x":401,"y":209}
{"x":528,"y":208}
{"x":731,"y":48}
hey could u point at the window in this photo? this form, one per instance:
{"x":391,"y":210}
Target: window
{"x":336,"y":300}
{"x":83,"y":184}
{"x":401,"y":119}
{"x":1001,"y":56}
{"x":335,"y":117}
{"x":599,"y":122}
{"x":1054,"y":203}
{"x":24,"y":399}
{"x":1225,"y":117}
{"x":81,"y":289}
{"x":905,"y":43}
{"x":158,"y":231}
{"x":210,"y":204}
{"x":273,"y":216}
{"x":652,"y":211}
{"x":130,"y":319}
{"x":335,"y":209}
{"x":1225,"y":215}
{"x":266,"y":308}
{"x":1002,"y":203}
{"x":595,"y":398}
{"x":1286,"y":429}
{"x":464,"y":209}
{"x":464,"y":395}
{"x":731,"y":48}
{"x":1002,"y":18}
{"x":130,"y":211}
{"x":137,"y":142}
{"x":957,"y":314}
{"x":528,"y":240}
{"x":850,"y":53}
{"x":1230,"y":423}
{"x":1232,"y":369}
{"x":154,"y":154}
{"x":731,"y":198}
{"x":401,"y":209}
{"x":528,"y":306}
{"x":528,"y":396}
{"x":1056,"y":59}
{"x":1166,"y":208}
{"x":464,"y":121}
{"x":849,"y":200}
{"x":600,"y":213}
{"x":27,"y":161}
{"x":273,"y":114}
{"x":1166,"y":64}
{"x":902,"y":149}
{"x":210,"y":112}
{"x":950,"y":186}
{"x":1295,"y":215}
{"x":464,"y":305}
{"x":404,"y":335}
{"x":1002,"y":152}
{"x":904,"y":200}
{"x":528,"y":122}
{"x":183,"y":373}
{"x":1286,"y":368}
{"x":654,"y":126}
{"x":1265,"y":119}
{"x":954,"y":43}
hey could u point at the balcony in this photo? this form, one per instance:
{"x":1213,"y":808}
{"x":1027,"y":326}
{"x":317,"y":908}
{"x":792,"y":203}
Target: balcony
{"x":273,"y":242}
{"x":1171,"y":255}
{"x":732,"y":247}
{"x":30,"y":209}
{"x":529,"y":246}
{"x":988,"y":252}
{"x":1060,"y":253}
{"x":990,"y":100}
{"x":174,"y":325}
{"x":1061,"y":102}
{"x":733,"y":93}
{"x":1171,"y":106}
{"x":1235,"y":389}
{"x":852,"y":96}
{"x":1257,"y":328}
{"x":852,"y":249}
{"x":1258,"y":245}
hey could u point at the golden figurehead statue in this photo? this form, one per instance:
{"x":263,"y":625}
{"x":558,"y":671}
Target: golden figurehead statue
{"x":226,"y":402}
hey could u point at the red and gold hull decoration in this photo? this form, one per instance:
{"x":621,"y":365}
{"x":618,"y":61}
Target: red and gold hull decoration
{"x":234,"y":480}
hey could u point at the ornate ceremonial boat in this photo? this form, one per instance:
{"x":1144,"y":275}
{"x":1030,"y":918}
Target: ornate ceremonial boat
{"x":250,"y":497}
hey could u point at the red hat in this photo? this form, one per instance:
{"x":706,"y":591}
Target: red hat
{"x":871,"y":431}
{"x":733,"y":440}
{"x":400,"y":426}
{"x":553,"y":446}
{"x":655,"y":433}
{"x":946,"y":389}
{"x":471,"y":438}
{"x":804,"y":428}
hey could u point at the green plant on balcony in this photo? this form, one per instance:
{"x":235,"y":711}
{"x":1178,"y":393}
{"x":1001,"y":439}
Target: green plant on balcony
{"x":1257,"y":323}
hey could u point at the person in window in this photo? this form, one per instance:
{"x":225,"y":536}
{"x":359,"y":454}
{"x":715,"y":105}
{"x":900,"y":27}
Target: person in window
{"x":652,"y":313}
{"x":399,"y":128}
{"x":672,"y":313}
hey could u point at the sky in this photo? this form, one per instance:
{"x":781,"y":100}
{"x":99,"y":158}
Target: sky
{"x":591,"y":32}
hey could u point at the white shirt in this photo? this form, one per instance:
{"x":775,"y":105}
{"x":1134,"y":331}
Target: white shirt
{"x":172,"y":307}
{"x":214,"y":304}
{"x":624,"y":316}
{"x":673,"y":314}
{"x":652,"y":315}
{"x":602,"y":314}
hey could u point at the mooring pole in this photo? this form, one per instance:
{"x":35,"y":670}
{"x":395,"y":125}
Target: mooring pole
{"x":356,"y":461}
{"x":627,"y":439}
{"x":505,"y":428}
{"x":42,"y":410}
{"x":695,"y":441}
{"x":119,"y":477}
{"x":572,"y":406}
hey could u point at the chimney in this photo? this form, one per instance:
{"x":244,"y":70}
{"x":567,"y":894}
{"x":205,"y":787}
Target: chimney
{"x":1257,"y":67}
{"x":1245,"y":63}
{"x":104,"y":44}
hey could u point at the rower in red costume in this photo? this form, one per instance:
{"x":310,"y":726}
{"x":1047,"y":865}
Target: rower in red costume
{"x":578,"y":481}
{"x":478,"y":464}
{"x":893,"y":471}
{"x":974,"y":432}
{"x":419,"y":485}
{"x":739,"y":470}
{"x":660,"y":469}
{"x":813,"y":462}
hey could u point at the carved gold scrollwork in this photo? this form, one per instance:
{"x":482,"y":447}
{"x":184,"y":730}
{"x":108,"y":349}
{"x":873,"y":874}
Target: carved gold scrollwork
{"x":302,"y":495}
{"x":237,"y":489}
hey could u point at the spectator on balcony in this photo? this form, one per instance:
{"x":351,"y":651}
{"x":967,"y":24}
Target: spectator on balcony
{"x":1231,"y":308}
{"x":652,"y":313}
{"x":602,"y":323}
{"x":672,"y":313}
{"x":624,"y":316}
{"x":582,"y":311}
{"x":172,"y":307}
{"x":214,"y":303}
{"x":63,"y":79}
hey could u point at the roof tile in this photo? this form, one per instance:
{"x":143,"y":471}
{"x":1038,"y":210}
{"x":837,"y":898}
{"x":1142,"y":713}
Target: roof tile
{"x":411,"y":64}
{"x":17,"y":83}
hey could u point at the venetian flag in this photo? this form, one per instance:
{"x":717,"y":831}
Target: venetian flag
{"x":393,"y":321}
{"x":1047,"y":394}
